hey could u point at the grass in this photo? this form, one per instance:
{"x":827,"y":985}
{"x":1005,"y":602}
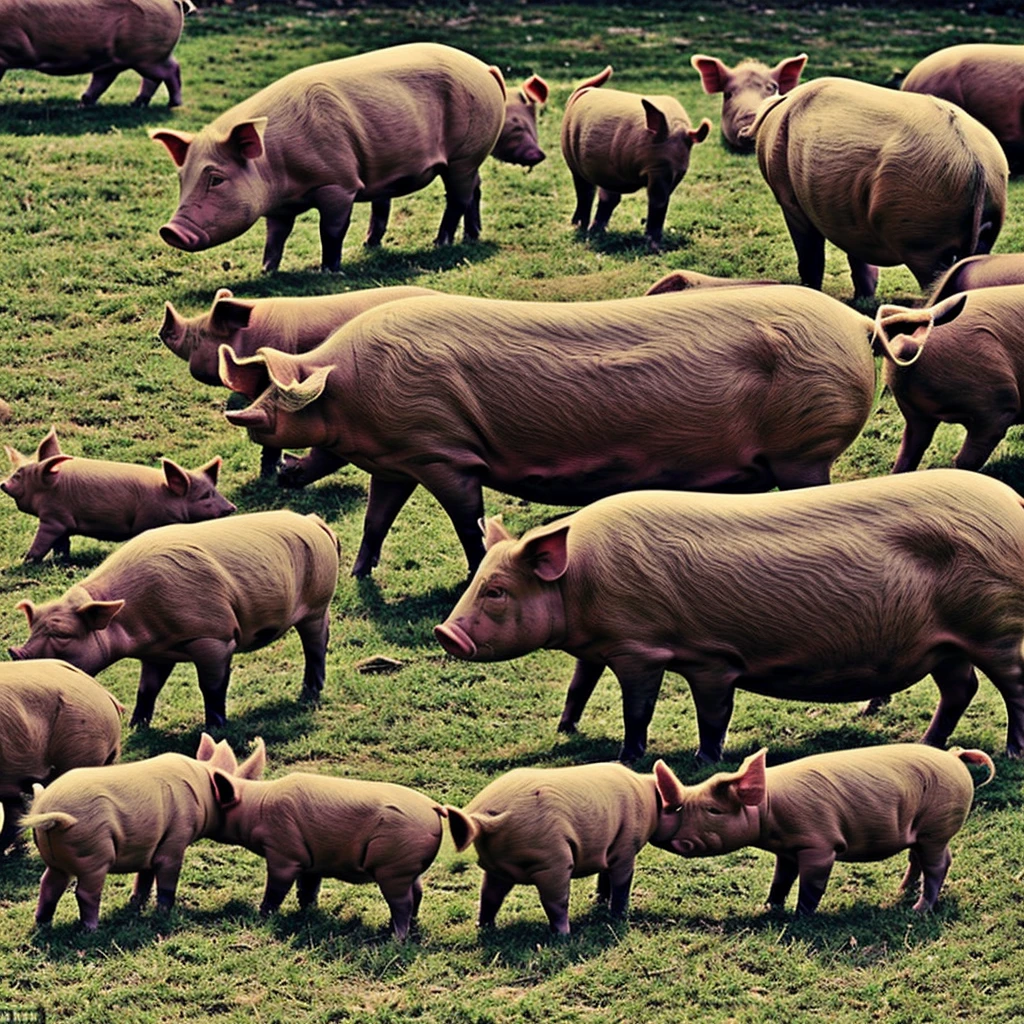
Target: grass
{"x":85,"y":277}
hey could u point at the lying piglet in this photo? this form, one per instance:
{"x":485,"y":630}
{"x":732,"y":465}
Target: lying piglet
{"x":979,"y":272}
{"x":849,"y":805}
{"x":198,"y":593}
{"x":106,"y":500}
{"x":517,"y":143}
{"x":620,"y":142}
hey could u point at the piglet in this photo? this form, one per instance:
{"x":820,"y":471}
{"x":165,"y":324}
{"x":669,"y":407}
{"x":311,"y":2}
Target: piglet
{"x":517,"y":143}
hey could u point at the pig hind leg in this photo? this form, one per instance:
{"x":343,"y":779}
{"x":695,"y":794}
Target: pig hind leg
{"x":88,"y":893}
{"x":553,"y":886}
{"x":933,"y":864}
{"x":403,"y":900}
{"x":313,"y":632}
{"x":584,"y":201}
{"x":387,"y":497}
{"x":51,"y":888}
{"x":982,"y":438}
{"x":493,"y":891}
{"x":917,"y":435}
{"x":102,"y":79}
{"x":380,"y":212}
{"x":606,"y":203}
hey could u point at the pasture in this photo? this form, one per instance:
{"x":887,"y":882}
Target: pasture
{"x":83,"y":281}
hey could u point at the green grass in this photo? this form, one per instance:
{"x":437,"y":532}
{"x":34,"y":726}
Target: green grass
{"x":84,"y":279}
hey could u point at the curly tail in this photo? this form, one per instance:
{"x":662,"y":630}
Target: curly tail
{"x":976,"y":757}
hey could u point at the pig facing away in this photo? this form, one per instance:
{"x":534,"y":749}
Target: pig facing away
{"x":106,"y":500}
{"x":848,"y":805}
{"x":882,"y":581}
{"x":105,"y":37}
{"x":616,"y":142}
{"x":979,"y":272}
{"x":361,"y":129}
{"x":564,"y":403}
{"x":888,"y":177}
{"x":198,"y":593}
{"x":517,"y":143}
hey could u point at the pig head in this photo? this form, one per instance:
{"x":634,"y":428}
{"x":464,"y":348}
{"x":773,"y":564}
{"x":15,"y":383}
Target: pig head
{"x":517,"y":143}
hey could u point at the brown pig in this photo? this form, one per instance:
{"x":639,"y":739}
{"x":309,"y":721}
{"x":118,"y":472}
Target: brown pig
{"x":517,"y":143}
{"x":618,"y":142}
{"x":105,"y":37}
{"x":106,"y":500}
{"x":199,"y":593}
{"x":979,"y":272}
{"x":848,"y":805}
{"x":838,"y":593}
{"x":565,"y":402}
{"x":889,"y":177}
{"x":681,"y":280}
{"x":366,"y":128}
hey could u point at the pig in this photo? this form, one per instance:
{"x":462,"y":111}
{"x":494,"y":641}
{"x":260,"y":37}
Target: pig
{"x":105,"y":37}
{"x":889,"y":177}
{"x":565,"y":402}
{"x":979,"y":272}
{"x":847,"y":805}
{"x":137,"y":817}
{"x":105,"y":500}
{"x":517,"y":143}
{"x":835,"y":593}
{"x":986,"y":80}
{"x":5,"y":412}
{"x":681,"y":280}
{"x":619,"y":142}
{"x":744,"y":88}
{"x":361,"y":129}
{"x":197,"y":592}
{"x":53,"y":717}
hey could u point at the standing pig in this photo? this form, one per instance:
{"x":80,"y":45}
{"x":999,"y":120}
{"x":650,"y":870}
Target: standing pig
{"x":196,"y":593}
{"x":620,"y":142}
{"x":517,"y":143}
{"x":106,"y":500}
{"x":882,"y":581}
{"x":67,"y":37}
{"x":889,"y":177}
{"x":562,"y":402}
{"x":848,"y":805}
{"x":979,"y":272}
{"x":361,"y":129}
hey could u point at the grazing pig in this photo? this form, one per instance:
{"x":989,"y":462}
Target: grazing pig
{"x":986,"y":80}
{"x":106,"y":500}
{"x":744,"y":88}
{"x":837,"y":593}
{"x":517,"y":143}
{"x":105,"y":37}
{"x":889,"y":177}
{"x":979,"y":272}
{"x":848,"y":805}
{"x":619,"y":142}
{"x":361,"y":129}
{"x":681,"y":280}
{"x":565,"y":402}
{"x":199,"y":593}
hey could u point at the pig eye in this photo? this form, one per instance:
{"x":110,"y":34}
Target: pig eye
{"x":494,"y":592}
{"x":216,"y":179}
{"x":715,"y":810}
{"x":727,"y":94}
{"x":771,"y":88}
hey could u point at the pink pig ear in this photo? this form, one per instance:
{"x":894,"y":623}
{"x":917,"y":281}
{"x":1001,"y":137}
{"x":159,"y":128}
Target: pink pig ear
{"x":657,"y":123}
{"x":246,"y":138}
{"x":48,"y":446}
{"x":211,"y":470}
{"x":28,"y":608}
{"x":247,"y":375}
{"x":494,"y":532}
{"x":713,"y":73}
{"x":176,"y":479}
{"x":536,"y":89}
{"x":252,"y":767}
{"x":177,"y":143}
{"x":700,"y":133}
{"x":787,"y":72}
{"x":17,"y":459}
{"x":751,"y":783}
{"x":206,"y":747}
{"x":224,"y":789}
{"x":97,"y":615}
{"x":548,"y":554}
{"x":670,"y":789}
{"x":50,"y":468}
{"x":230,"y":314}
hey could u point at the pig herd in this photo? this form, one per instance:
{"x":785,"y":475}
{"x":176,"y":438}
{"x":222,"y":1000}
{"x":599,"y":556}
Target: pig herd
{"x":636,"y":409}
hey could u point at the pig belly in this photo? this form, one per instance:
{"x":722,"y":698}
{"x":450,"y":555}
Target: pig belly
{"x":402,"y":185}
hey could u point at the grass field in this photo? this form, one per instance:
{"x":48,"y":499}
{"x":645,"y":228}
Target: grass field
{"x":84,"y":279}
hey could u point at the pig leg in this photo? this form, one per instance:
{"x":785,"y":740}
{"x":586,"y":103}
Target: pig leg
{"x":334,"y":204}
{"x":88,"y":893}
{"x":640,"y":683}
{"x":458,"y":489}
{"x":51,"y":888}
{"x":151,"y":681}
{"x":146,"y":89}
{"x":584,"y":202}
{"x":958,"y":683}
{"x":401,"y":901}
{"x":143,"y":887}
{"x":786,"y":871}
{"x":620,"y":881}
{"x":100,"y":82}
{"x":553,"y":886}
{"x":606,"y":203}
{"x":166,"y":869}
{"x":658,"y":193}
{"x":810,"y":251}
{"x":917,"y":435}
{"x":814,"y":868}
{"x":982,"y":439}
{"x":472,"y":220}
{"x":492,"y":894}
{"x":212,"y":658}
{"x":865,"y":278}
{"x":1008,"y":679}
{"x":307,"y":888}
{"x":380,"y":211}
{"x":280,"y":878}
{"x":581,"y":686}
{"x":318,"y":463}
{"x":713,"y":696}
{"x":386,"y":500}
{"x":279,"y":227}
{"x":460,"y":185}
{"x":801,"y":473}
{"x":269,"y":458}
{"x":934,"y":867}
{"x":313,"y":632}
{"x":49,"y":534}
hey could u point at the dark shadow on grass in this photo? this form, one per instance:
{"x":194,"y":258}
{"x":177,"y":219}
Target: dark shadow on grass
{"x":328,"y":500}
{"x":20,"y":871}
{"x":65,"y":117}
{"x":1008,"y":468}
{"x":516,"y":940}
{"x":415,"y":614}
{"x":629,"y":245}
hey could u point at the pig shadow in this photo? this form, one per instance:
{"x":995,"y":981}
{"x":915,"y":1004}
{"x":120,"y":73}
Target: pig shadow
{"x":628,"y":245}
{"x":328,"y":499}
{"x":574,"y":748}
{"x":20,"y":870}
{"x":65,"y":117}
{"x":516,"y":941}
{"x":411,"y":619}
{"x":1009,"y":469}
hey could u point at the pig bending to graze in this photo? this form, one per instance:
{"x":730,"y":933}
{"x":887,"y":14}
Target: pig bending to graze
{"x":681,"y":280}
{"x":838,"y":593}
{"x":618,"y":142}
{"x":198,"y":593}
{"x":848,"y":805}
{"x":105,"y":37}
{"x":361,"y":129}
{"x":106,"y":500}
{"x":979,"y":272}
{"x":737,"y":389}
{"x":889,"y":177}
{"x":517,"y":143}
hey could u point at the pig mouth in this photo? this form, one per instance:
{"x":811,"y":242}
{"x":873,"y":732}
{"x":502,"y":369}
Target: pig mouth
{"x":455,"y":640}
{"x":182,"y":234}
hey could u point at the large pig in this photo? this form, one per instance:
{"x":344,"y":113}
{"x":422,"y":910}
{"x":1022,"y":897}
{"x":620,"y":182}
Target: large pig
{"x":736,"y":389}
{"x":517,"y":143}
{"x":199,"y":593}
{"x":105,"y":37}
{"x":889,"y":177}
{"x":986,"y":80}
{"x":848,"y":805}
{"x":979,"y":272}
{"x":837,"y":593}
{"x":744,"y":88}
{"x":361,"y":129}
{"x":107,"y":500}
{"x":616,"y":142}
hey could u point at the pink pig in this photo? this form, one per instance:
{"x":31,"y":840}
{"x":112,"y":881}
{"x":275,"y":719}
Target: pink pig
{"x":517,"y":143}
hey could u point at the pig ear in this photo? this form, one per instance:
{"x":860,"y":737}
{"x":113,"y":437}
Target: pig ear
{"x":297,"y":394}
{"x":949,"y":309}
{"x":463,"y":827}
{"x":223,"y":293}
{"x":670,"y":789}
{"x":177,"y":143}
{"x":50,"y":469}
{"x":787,"y":72}
{"x":211,"y":470}
{"x":494,"y":532}
{"x":224,"y":789}
{"x":713,"y":73}
{"x":547,"y":553}
{"x":230,"y":314}
{"x":48,"y":446}
{"x":29,"y":609}
{"x":206,"y":747}
{"x":677,"y":281}
{"x":246,"y":138}
{"x":750,"y":783}
{"x":700,"y":133}
{"x":536,"y":89}
{"x":172,"y":331}
{"x":657,"y":123}
{"x":252,"y":767}
{"x":247,"y":375}
{"x":176,"y":479}
{"x":17,"y":459}
{"x":97,"y":615}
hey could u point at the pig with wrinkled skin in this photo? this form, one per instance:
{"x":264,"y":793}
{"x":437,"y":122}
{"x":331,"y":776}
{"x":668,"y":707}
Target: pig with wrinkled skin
{"x":366,"y":128}
{"x":744,"y":88}
{"x":517,"y":143}
{"x":105,"y":37}
{"x":199,"y":592}
{"x":567,"y":402}
{"x":616,"y":142}
{"x":888,"y":177}
{"x":848,"y":805}
{"x":979,"y":272}
{"x":986,"y":80}
{"x":682,"y":280}
{"x":106,"y":500}
{"x":118,"y":819}
{"x":884,"y":581}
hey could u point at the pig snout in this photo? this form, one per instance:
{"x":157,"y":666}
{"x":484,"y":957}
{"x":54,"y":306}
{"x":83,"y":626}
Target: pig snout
{"x":181,"y":234}
{"x":455,"y":640}
{"x":527,"y":156}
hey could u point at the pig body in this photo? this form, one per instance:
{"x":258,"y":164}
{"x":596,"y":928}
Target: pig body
{"x":618,"y":142}
{"x":979,"y":272}
{"x":198,"y":593}
{"x":106,"y":500}
{"x":366,"y":128}
{"x":888,"y":177}
{"x":567,"y":402}
{"x":883,"y":581}
{"x":65,"y":37}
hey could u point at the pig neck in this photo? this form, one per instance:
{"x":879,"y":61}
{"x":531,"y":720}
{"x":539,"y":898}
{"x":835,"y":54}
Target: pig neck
{"x":242,"y":821}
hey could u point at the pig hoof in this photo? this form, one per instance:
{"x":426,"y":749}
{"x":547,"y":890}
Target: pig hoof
{"x":703,"y":759}
{"x":139,"y":721}
{"x":569,"y":728}
{"x":138,"y":103}
{"x":309,"y":698}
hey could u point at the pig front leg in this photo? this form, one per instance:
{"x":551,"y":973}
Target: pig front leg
{"x":142,"y":888}
{"x":307,"y":888}
{"x":640,"y":683}
{"x":386,"y":500}
{"x":492,"y":894}
{"x":51,"y":888}
{"x":212,"y":658}
{"x":335,"y":206}
{"x":318,"y":463}
{"x":606,"y":203}
{"x":584,"y":202}
{"x":457,"y":487}
{"x":786,"y":871}
{"x":865,"y":278}
{"x":269,"y":459}
{"x":658,"y":194}
{"x":281,"y":875}
{"x":917,"y":435}
{"x":313,"y":632}
{"x":813,"y":868}
{"x":713,"y":697}
{"x":166,"y":870}
{"x":50,"y":535}
{"x":461,"y":185}
{"x":581,"y":686}
{"x":380,"y":212}
{"x":810,"y":251}
{"x":279,"y":227}
{"x":151,"y":681}
{"x":958,"y":683}
{"x":613,"y":888}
